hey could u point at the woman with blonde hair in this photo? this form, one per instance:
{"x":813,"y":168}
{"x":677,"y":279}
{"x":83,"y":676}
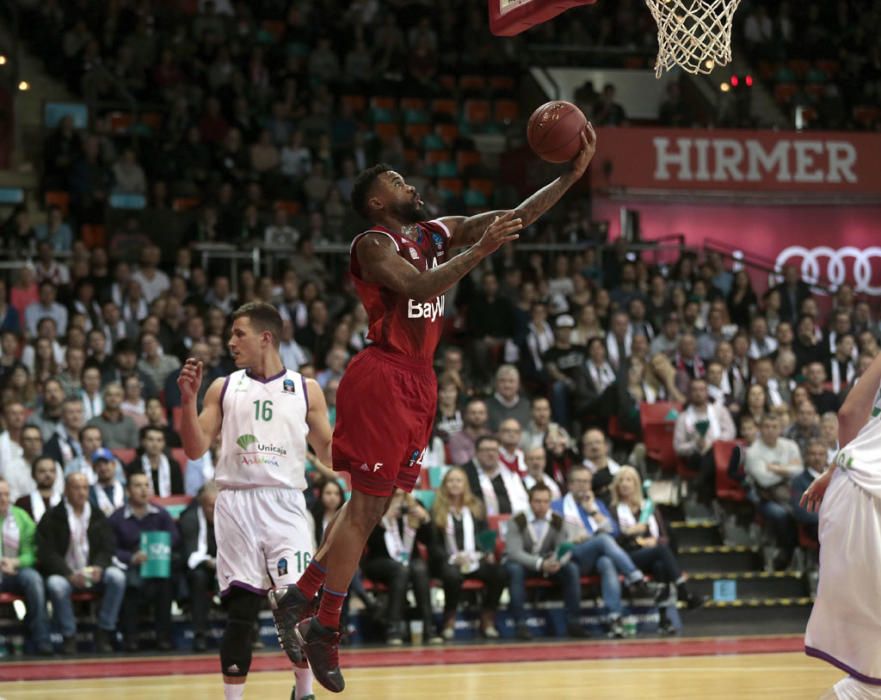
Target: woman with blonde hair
{"x":457,"y":532}
{"x":660,"y":380}
{"x":645,"y":539}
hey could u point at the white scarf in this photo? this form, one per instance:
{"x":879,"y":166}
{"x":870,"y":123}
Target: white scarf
{"x":611,"y":465}
{"x":201,"y":552}
{"x":612,"y":346}
{"x":850,"y":373}
{"x":164,"y":475}
{"x":105,"y":504}
{"x":70,"y":447}
{"x":626,"y":519}
{"x":691,"y":417}
{"x":529,"y":481}
{"x":38,"y":508}
{"x":649,"y":393}
{"x":11,"y":536}
{"x":601,"y":376}
{"x":513,"y":486}
{"x":398,"y":548}
{"x":78,"y":550}
{"x":470,"y":549}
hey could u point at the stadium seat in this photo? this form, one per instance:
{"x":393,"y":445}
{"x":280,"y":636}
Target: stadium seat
{"x":450,"y":185}
{"x":446,"y":168}
{"x":476,"y":112}
{"x":414,"y":104}
{"x":121,"y":122}
{"x":425,"y":497}
{"x":727,"y":489}
{"x":502,"y":85}
{"x":291,"y":207}
{"x":483,"y":185}
{"x":94,"y":235}
{"x":472,"y":85}
{"x":381,"y":115}
{"x":657,"y":433}
{"x":387,"y":132}
{"x":799,"y":67}
{"x":444,"y":106}
{"x":448,"y":133}
{"x":476,"y":200}
{"x":617,"y":433}
{"x":866,"y":116}
{"x":505,"y":111}
{"x":467,"y":159}
{"x":184,"y":203}
{"x":390,"y":104}
{"x":59,"y":199}
{"x":357,"y":103}
{"x":415,"y":133}
{"x":784,"y":92}
{"x":125,"y":454}
{"x":830,"y":68}
{"x":438,"y":156}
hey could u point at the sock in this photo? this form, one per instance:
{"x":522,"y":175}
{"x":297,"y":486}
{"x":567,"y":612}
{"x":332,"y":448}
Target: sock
{"x":330,"y":608}
{"x":233,"y":691}
{"x":304,"y":682}
{"x":312,"y":579}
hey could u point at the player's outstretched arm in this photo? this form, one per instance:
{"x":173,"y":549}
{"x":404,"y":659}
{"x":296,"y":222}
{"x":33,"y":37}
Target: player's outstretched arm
{"x":320,"y":434}
{"x":857,"y":407}
{"x":468,"y":230}
{"x":380,"y":263}
{"x":197,"y":432}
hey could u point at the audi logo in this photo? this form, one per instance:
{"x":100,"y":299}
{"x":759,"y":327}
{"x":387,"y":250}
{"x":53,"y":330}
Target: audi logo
{"x":835,"y":267}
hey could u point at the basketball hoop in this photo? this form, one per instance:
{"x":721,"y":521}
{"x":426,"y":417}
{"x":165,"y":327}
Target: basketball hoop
{"x":693,"y":34}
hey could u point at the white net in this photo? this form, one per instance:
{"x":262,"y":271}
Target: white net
{"x":693,"y":34}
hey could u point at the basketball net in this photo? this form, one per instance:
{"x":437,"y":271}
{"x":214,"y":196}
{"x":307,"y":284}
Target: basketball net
{"x":693,"y":34}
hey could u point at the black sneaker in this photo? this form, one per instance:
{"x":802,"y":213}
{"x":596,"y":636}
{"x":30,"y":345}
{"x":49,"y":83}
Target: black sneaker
{"x":321,"y":645}
{"x":640,"y":589}
{"x":616,"y":629}
{"x":103,"y":644}
{"x":289,"y":606}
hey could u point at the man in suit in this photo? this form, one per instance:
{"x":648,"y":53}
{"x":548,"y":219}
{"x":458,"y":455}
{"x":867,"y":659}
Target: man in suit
{"x":532,"y":548}
{"x":64,"y":446}
{"x":793,"y":291}
{"x":79,"y":560}
{"x":816,"y":463}
{"x":501,"y":491}
{"x":199,"y":550}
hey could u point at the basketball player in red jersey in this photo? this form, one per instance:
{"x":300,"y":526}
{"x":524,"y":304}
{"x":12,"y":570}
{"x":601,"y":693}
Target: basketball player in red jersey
{"x":401,"y":266}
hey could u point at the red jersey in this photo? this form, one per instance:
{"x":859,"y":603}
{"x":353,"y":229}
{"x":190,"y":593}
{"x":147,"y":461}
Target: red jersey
{"x":397,"y":323}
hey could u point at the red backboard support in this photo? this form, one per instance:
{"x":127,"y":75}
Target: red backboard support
{"x":510,"y":17}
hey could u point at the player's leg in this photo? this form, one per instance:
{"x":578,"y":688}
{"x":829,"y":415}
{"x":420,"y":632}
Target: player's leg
{"x":242,"y":608}
{"x":287,"y":550}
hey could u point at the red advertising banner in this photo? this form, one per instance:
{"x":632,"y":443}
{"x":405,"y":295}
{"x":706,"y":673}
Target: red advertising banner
{"x":725,"y":160}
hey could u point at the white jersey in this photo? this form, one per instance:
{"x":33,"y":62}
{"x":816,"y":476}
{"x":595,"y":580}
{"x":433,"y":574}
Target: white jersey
{"x":263,"y":431}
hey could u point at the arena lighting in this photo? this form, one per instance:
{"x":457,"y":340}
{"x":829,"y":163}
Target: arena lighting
{"x":734,"y":81}
{"x":749,"y":80}
{"x":708,"y":64}
{"x":2,"y":60}
{"x":24,"y":85}
{"x":725,"y":87}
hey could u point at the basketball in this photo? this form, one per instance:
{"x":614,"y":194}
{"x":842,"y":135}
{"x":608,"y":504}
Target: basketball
{"x":554,"y":131}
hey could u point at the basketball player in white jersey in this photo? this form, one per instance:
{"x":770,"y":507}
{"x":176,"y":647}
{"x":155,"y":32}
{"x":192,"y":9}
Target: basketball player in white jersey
{"x":845,"y":624}
{"x":265,"y":414}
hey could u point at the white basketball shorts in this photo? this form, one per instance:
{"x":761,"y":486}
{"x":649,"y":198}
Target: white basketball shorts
{"x":263,"y":538}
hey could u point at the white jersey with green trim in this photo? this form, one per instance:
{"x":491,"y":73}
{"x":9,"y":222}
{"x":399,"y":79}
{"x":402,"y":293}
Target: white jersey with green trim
{"x":263,"y":431}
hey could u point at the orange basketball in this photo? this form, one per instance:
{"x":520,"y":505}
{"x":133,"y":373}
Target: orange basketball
{"x":554,"y":131}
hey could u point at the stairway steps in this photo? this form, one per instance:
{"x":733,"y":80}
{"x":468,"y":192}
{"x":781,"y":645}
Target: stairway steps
{"x":752,"y":584}
{"x":754,"y":615}
{"x":695,"y":533}
{"x":719,"y":558}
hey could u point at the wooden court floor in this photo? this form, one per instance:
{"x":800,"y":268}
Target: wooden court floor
{"x":784,"y":676}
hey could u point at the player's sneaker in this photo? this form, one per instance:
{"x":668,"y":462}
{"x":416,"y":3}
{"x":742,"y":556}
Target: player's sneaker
{"x":305,"y":697}
{"x":289,"y":606}
{"x":322,"y":648}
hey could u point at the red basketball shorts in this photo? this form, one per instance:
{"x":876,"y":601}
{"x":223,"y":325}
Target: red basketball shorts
{"x":384,"y":418}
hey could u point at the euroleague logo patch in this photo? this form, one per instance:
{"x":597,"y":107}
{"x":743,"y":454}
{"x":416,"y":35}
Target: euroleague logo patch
{"x":438,"y":240}
{"x":282,"y":567}
{"x":288,"y":386}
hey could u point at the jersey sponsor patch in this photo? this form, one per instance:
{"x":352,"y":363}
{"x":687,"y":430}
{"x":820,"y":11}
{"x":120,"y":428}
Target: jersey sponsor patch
{"x":288,"y":386}
{"x":245,"y":440}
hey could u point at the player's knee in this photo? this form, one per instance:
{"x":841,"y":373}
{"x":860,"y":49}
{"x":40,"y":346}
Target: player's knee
{"x":367,"y":510}
{"x":235,"y":649}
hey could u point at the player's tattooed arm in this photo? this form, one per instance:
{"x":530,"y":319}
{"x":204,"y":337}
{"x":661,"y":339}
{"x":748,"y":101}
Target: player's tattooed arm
{"x":380,"y":263}
{"x":468,"y":230}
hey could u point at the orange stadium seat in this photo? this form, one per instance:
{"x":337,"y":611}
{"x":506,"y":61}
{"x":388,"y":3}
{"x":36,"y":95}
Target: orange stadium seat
{"x":472,"y":84}
{"x":152,"y":119}
{"x":60,"y":199}
{"x":447,"y":132}
{"x":866,"y":116}
{"x":483,"y":185}
{"x":437,"y":156}
{"x":357,"y":103}
{"x":185,"y":203}
{"x":94,"y":235}
{"x":444,"y":106}
{"x":416,"y":132}
{"x":799,"y":66}
{"x":125,"y":454}
{"x":784,"y":92}
{"x":502,"y":84}
{"x":466,"y":159}
{"x":384,"y":102}
{"x":830,"y":68}
{"x":450,"y":185}
{"x":291,"y":207}
{"x":657,"y":433}
{"x":506,"y":111}
{"x":416,"y":104}
{"x":121,"y":122}
{"x":476,"y":112}
{"x":387,"y":132}
{"x":447,"y":82}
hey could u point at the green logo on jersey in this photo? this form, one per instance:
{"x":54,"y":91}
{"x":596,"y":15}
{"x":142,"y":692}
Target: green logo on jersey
{"x":245,"y":440}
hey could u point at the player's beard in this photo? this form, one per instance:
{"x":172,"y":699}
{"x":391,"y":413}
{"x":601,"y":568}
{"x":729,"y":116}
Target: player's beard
{"x":409,"y":212}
